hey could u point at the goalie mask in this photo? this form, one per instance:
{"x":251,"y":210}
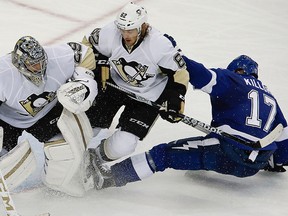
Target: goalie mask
{"x":130,"y":17}
{"x":30,"y":59}
{"x":245,"y":63}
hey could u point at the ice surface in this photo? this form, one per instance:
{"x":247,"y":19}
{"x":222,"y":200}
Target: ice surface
{"x":209,"y":31}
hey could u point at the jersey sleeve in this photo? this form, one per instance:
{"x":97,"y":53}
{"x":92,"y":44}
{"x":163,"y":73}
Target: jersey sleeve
{"x":200,"y":76}
{"x":8,"y":80}
{"x":101,"y":39}
{"x":84,"y":62}
{"x":215,"y":82}
{"x":88,"y":59}
{"x":164,"y":54}
{"x":170,"y":63}
{"x":83,"y":55}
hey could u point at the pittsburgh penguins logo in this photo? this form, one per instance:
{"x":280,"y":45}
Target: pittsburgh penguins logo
{"x":132,"y":72}
{"x":35,"y":103}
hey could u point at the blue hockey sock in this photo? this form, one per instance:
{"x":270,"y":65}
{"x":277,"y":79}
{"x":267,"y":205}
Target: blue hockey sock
{"x":124,"y":173}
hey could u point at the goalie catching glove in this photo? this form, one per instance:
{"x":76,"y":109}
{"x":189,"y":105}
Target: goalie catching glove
{"x":78,"y":95}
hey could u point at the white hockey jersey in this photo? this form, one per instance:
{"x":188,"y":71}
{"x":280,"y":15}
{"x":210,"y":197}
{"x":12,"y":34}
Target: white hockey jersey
{"x":138,"y":71}
{"x":22,"y":102}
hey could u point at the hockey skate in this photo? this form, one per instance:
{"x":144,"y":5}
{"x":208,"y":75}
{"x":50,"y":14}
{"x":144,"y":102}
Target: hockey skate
{"x":95,"y":174}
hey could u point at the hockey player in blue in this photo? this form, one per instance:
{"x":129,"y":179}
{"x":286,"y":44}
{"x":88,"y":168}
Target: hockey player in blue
{"x":241,"y":105}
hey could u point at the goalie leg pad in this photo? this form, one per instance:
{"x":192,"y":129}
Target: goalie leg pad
{"x":18,"y":164}
{"x":63,"y":157}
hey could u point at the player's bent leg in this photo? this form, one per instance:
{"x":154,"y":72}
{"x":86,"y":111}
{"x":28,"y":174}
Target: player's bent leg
{"x":184,"y":154}
{"x":120,"y":144}
{"x":132,"y":169}
{"x":160,"y":157}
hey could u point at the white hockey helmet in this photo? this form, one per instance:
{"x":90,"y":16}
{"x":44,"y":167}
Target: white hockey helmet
{"x":131,"y":16}
{"x":30,"y":59}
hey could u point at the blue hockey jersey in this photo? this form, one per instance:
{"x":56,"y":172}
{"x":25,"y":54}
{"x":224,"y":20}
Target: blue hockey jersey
{"x":254,"y":109}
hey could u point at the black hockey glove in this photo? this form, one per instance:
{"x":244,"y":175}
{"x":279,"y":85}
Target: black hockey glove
{"x":276,"y":168}
{"x":174,"y":106}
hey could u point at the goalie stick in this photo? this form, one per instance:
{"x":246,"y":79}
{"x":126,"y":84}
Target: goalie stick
{"x":206,"y":128}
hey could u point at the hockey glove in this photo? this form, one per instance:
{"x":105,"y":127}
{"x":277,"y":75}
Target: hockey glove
{"x":78,"y":95}
{"x":73,"y":97}
{"x":174,"y":106}
{"x":276,"y":168}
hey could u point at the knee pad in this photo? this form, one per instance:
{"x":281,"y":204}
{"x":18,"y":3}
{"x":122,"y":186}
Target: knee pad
{"x":120,"y":144}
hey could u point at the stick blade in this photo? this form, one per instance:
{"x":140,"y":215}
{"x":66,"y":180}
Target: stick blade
{"x":272,"y":136}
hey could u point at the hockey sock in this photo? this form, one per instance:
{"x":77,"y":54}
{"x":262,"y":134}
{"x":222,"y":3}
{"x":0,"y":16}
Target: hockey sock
{"x":124,"y":173}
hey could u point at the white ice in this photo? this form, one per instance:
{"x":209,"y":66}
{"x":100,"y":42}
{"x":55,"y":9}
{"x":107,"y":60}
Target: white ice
{"x":209,"y":31}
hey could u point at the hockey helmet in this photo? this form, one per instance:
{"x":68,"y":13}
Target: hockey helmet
{"x":30,"y":59}
{"x":130,"y":17}
{"x":248,"y":65}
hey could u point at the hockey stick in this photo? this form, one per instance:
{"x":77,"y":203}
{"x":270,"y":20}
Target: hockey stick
{"x":206,"y":128}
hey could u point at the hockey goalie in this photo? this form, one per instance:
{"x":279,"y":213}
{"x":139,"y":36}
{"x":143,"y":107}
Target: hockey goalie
{"x":63,"y":156}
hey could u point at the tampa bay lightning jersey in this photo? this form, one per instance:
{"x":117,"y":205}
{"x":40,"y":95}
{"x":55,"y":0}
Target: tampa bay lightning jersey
{"x":241,"y":105}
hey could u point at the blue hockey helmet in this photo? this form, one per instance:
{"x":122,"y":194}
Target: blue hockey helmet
{"x":245,"y":63}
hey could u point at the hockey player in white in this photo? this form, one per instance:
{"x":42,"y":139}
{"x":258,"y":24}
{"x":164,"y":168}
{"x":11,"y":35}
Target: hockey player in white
{"x":143,"y":61}
{"x":29,"y":79}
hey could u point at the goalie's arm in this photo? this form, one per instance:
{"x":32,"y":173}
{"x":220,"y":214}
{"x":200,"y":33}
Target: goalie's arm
{"x":102,"y":72}
{"x":83,"y":55}
{"x":78,"y":95}
{"x":88,"y":61}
